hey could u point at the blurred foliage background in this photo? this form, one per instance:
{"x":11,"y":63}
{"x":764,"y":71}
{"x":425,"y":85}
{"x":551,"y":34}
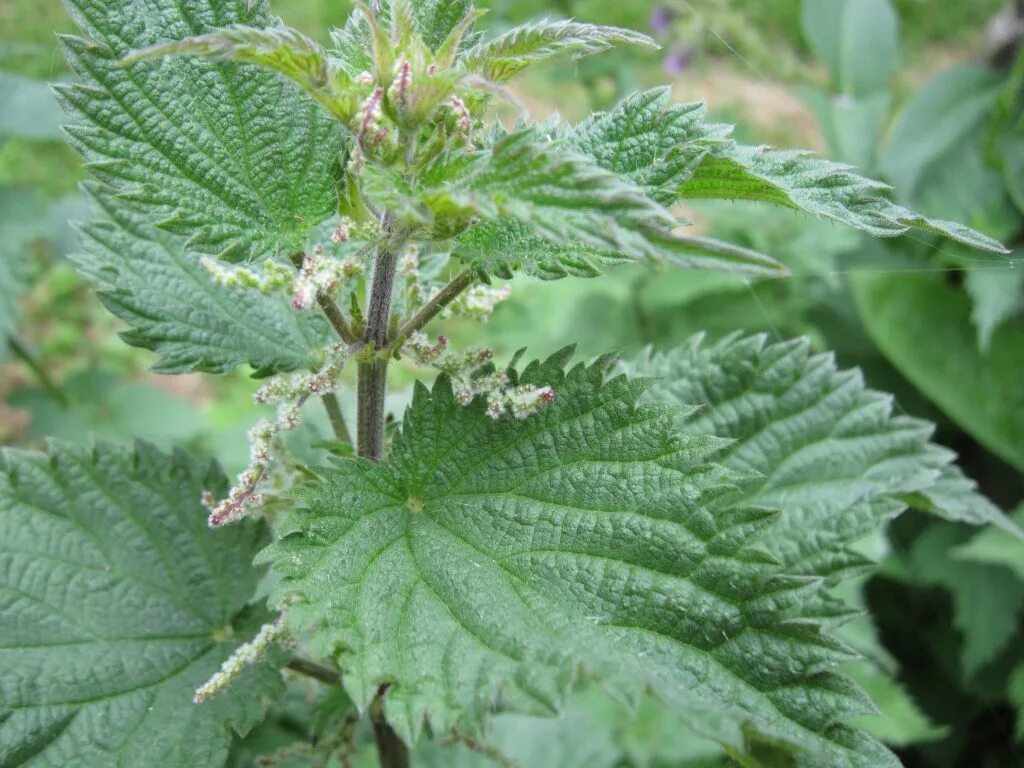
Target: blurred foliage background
{"x":927,"y":94}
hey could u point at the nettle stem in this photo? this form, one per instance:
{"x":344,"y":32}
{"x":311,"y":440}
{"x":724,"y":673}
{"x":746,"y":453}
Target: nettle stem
{"x":372,"y":387}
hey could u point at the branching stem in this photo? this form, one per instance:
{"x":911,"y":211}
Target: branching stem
{"x":337,"y":418}
{"x":432,"y":308}
{"x":315,"y":670}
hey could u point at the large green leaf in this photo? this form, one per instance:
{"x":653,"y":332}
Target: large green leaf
{"x":680,"y":157}
{"x":483,"y":562}
{"x":228,"y":154}
{"x":830,"y":453}
{"x":922,"y":325}
{"x":116,"y":603}
{"x":172,"y":306}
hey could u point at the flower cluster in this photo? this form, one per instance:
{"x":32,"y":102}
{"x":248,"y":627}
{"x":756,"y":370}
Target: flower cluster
{"x":243,"y":656}
{"x":273,"y":277}
{"x":289,"y":393}
{"x":321,"y":273}
{"x":479,"y":302}
{"x":468,"y":382}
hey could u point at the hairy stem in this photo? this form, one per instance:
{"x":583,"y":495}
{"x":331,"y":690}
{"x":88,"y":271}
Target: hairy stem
{"x":431,"y":309}
{"x":336,"y":318}
{"x":317,"y":671}
{"x":391,"y":750}
{"x":333,"y":408}
{"x":373,"y":371}
{"x":372,"y":383}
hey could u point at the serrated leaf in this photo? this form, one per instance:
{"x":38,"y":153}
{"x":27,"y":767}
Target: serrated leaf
{"x":530,"y":184}
{"x":922,"y":325}
{"x":147,"y":278}
{"x":484,"y":561}
{"x":501,"y":58}
{"x":116,"y":603}
{"x":227,"y":154}
{"x":831,"y":453}
{"x":280,"y":48}
{"x":647,"y":139}
{"x":799,"y":180}
{"x":694,"y":160}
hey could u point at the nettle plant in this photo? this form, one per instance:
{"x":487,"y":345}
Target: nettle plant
{"x":669,"y":529}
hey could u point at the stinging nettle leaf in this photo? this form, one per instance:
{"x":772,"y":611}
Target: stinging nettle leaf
{"x":483,"y":562}
{"x":530,"y":189}
{"x":173,"y":307}
{"x":280,"y":48}
{"x":116,"y":603}
{"x":500,"y":59}
{"x":231,"y":156}
{"x":679,"y":156}
{"x":830,"y":453}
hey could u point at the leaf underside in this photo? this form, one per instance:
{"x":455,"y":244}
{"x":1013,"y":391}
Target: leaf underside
{"x":229,"y":155}
{"x":112,"y":590}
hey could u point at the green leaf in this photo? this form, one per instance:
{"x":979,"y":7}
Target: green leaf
{"x":501,"y":58}
{"x":566,"y":199}
{"x":679,"y":156}
{"x":799,"y":180}
{"x":228,"y":154}
{"x":28,"y":109}
{"x":116,"y":603}
{"x":830,"y":452}
{"x":901,"y":723}
{"x":280,"y":48}
{"x":987,"y":599}
{"x":997,"y":295}
{"x":857,"y":39}
{"x":939,"y":116}
{"x":922,"y":325}
{"x":172,"y":307}
{"x":435,"y":19}
{"x":484,"y":562}
{"x":650,"y":141}
{"x":996,"y":547}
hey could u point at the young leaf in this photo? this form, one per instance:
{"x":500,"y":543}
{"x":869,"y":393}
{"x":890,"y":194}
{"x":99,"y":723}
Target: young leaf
{"x":279,"y":48}
{"x":830,"y":452}
{"x":678,"y":156}
{"x":500,"y":59}
{"x":229,"y":155}
{"x":147,"y":278}
{"x":116,"y":603}
{"x":485,"y":561}
{"x":531,"y":189}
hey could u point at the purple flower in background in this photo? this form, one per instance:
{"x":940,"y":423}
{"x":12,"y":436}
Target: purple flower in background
{"x":661,"y":19}
{"x":678,"y":59}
